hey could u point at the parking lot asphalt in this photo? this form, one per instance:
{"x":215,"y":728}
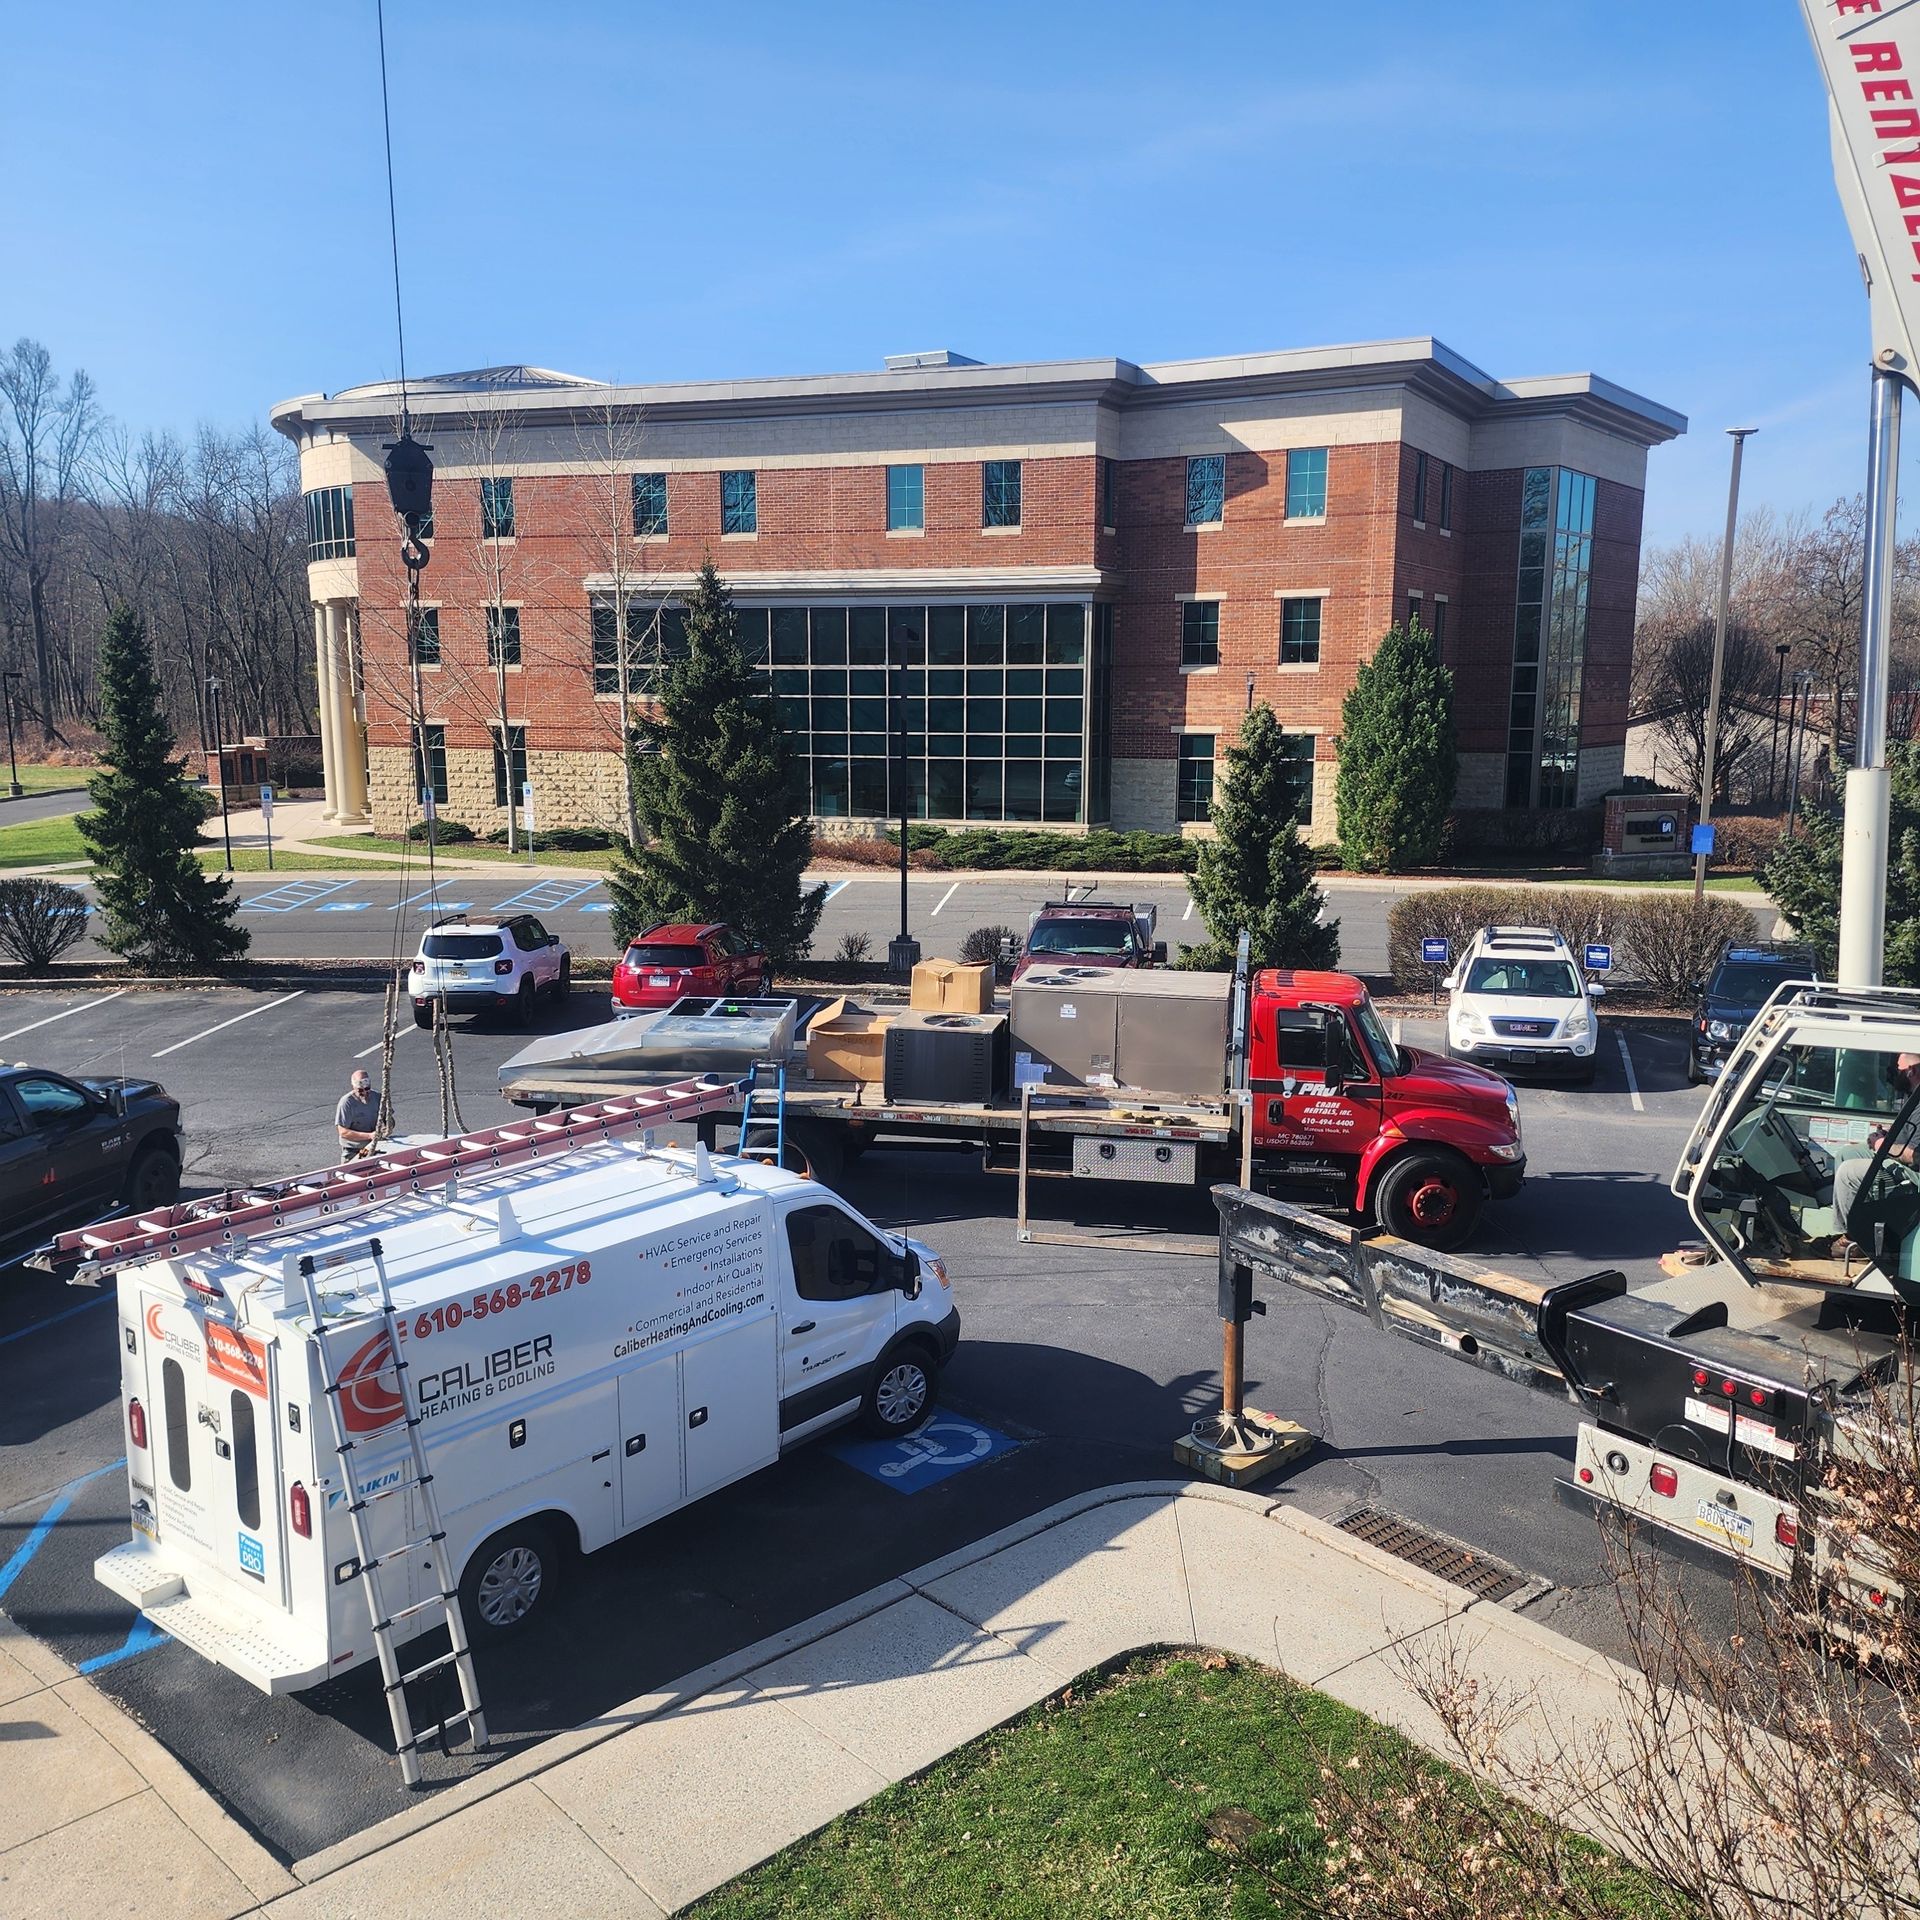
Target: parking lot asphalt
{"x":1090,"y":1361}
{"x":380,"y":915}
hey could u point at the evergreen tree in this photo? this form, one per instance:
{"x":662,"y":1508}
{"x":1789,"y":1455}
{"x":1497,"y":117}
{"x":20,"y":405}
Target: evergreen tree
{"x":1256,"y":872}
{"x":159,"y":907}
{"x":721,"y":799}
{"x":1398,"y":763}
{"x":1803,"y":874}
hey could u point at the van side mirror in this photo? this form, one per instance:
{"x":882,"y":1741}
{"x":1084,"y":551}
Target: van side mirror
{"x":909,"y":1282}
{"x":1595,"y":991}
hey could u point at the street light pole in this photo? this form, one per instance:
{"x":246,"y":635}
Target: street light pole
{"x":903,"y":952}
{"x":1800,"y":703}
{"x":1773,"y":742}
{"x":14,"y":788}
{"x":220,"y":761}
{"x":1701,"y":858}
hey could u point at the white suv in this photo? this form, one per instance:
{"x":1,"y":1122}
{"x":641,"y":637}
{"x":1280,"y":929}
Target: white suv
{"x":476,"y":964}
{"x":1517,"y":999}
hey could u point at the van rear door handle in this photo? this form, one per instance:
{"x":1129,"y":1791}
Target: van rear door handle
{"x":605,"y":1453}
{"x":805,"y":1326}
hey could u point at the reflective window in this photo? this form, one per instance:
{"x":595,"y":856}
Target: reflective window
{"x":739,"y":503}
{"x":510,"y":767}
{"x":1194,"y":786}
{"x":1109,"y":493}
{"x":503,"y":636}
{"x":330,"y":523}
{"x":642,"y":653}
{"x":1000,"y":493}
{"x":1446,"y":495}
{"x":496,"y":509}
{"x":1549,"y":637}
{"x":1298,"y":751}
{"x":426,"y":637}
{"x":430,"y":762}
{"x":51,"y":1104}
{"x":1206,"y":490}
{"x":1306,"y":483}
{"x":173,"y":1395}
{"x":834,"y":1257}
{"x":1420,"y":486}
{"x":1439,"y":625}
{"x":649,"y":503}
{"x":906,"y":499}
{"x":1299,"y":633}
{"x":1200,"y":633}
{"x":246,"y":1459}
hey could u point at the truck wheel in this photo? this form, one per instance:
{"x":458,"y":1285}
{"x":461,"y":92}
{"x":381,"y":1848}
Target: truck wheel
{"x":509,"y":1580}
{"x":153,"y":1180}
{"x":901,"y":1393}
{"x":1432,"y":1199}
{"x":816,"y":1151}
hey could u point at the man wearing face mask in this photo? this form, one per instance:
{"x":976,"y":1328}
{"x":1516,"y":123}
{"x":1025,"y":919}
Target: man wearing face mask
{"x":1850,"y":1175}
{"x":357,"y":1118}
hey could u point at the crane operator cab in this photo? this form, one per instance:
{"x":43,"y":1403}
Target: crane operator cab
{"x":1804,"y":1167}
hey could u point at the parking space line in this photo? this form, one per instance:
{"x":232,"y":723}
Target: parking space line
{"x":378,"y":1044}
{"x":1188,"y":915}
{"x":98,"y":1000}
{"x":838,"y":886}
{"x":1626,"y":1060}
{"x":546,"y":896}
{"x":234,"y":1022}
{"x":945,"y":897}
{"x":295,"y":893}
{"x":140,"y":1636}
{"x":23,"y":1554}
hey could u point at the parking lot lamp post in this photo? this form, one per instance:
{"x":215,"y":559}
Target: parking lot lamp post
{"x":1779,"y":681}
{"x":220,"y":761}
{"x":903,"y":951}
{"x":14,"y":788}
{"x":1700,"y":860}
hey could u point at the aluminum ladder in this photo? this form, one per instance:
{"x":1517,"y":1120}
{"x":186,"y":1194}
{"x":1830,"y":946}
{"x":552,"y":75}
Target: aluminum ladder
{"x":763,"y":1135}
{"x":407,"y":1738}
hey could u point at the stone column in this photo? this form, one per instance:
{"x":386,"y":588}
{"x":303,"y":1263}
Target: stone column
{"x":329,"y":739}
{"x":346,"y":721}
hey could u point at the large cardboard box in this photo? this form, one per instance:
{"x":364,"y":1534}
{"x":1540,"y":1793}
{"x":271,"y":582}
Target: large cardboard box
{"x":1154,"y":1030}
{"x":951,"y":986}
{"x":847,"y":1043}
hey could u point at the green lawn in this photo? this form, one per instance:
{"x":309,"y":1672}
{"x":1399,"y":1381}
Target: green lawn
{"x":254,"y":860}
{"x":465,"y":850}
{"x":36,"y":843}
{"x":1179,"y":1788}
{"x":39,"y":779}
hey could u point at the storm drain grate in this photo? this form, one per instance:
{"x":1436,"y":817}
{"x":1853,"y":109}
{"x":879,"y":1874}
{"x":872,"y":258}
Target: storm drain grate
{"x":1446,"y":1560}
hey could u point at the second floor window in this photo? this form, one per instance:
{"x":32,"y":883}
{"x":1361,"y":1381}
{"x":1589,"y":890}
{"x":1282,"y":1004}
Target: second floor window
{"x":426,"y":638}
{"x":649,"y":504}
{"x":503,"y":636}
{"x":739,"y":503}
{"x":1420,"y":487}
{"x":1110,"y":493}
{"x":1000,"y":493}
{"x":1200,"y":633}
{"x":330,"y":523}
{"x":1307,"y":483}
{"x":1206,"y":490}
{"x":1446,"y":495}
{"x":906,"y":499}
{"x":1299,"y":633}
{"x":496,"y":509}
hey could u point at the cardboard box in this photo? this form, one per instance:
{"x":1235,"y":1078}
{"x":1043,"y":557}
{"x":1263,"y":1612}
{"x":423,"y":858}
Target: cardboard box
{"x":847,"y":1043}
{"x":949,"y":986}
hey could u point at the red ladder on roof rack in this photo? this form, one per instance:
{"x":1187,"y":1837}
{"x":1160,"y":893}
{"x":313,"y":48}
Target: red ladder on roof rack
{"x":225,"y":1220}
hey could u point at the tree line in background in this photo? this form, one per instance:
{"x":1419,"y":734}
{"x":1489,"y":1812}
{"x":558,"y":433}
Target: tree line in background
{"x":204,"y":537}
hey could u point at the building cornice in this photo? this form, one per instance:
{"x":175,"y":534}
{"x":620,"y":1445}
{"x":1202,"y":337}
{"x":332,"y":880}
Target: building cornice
{"x":874,"y":583}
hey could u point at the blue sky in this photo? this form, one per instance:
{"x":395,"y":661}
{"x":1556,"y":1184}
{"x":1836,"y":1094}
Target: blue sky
{"x":197,"y":210}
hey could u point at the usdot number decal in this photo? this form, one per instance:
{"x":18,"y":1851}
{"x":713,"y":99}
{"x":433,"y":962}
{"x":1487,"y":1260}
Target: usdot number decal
{"x":444,"y":1319}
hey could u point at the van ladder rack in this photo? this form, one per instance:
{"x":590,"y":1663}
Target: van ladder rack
{"x":225,"y":1222}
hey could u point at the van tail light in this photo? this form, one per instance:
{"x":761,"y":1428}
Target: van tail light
{"x":1786,"y":1529}
{"x":300,"y":1511}
{"x":136,"y":1423}
{"x":419,"y":966}
{"x":503,"y":965}
{"x":1663,"y":1480}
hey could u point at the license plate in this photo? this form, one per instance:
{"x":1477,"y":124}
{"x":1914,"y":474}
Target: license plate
{"x":459,"y":973}
{"x":1523,"y":1056}
{"x":659,"y":979}
{"x":1737,"y":1527}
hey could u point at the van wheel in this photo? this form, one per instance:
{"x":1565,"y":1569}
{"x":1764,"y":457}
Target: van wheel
{"x":509,"y":1580}
{"x":901,"y":1393}
{"x":153,"y":1180}
{"x":1430,"y":1198}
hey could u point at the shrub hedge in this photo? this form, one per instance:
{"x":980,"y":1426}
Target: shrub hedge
{"x":1658,"y":938}
{"x":990,"y":848}
{"x":444,"y":833}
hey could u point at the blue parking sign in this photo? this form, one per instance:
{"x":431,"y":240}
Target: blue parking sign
{"x":1434,"y":952}
{"x":1599,"y":957}
{"x":1703,"y":838}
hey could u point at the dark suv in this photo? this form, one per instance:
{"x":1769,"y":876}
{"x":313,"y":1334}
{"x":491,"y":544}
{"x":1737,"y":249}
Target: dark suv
{"x":72,"y":1150}
{"x":1742,"y":982}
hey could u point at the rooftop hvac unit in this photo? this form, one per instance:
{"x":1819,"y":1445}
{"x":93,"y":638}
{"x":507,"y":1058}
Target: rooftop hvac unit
{"x":958,"y":1057}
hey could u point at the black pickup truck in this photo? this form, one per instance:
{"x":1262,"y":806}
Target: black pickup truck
{"x":74,"y":1149}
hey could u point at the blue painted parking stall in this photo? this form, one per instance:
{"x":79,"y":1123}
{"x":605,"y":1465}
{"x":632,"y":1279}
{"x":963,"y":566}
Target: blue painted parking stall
{"x":295,"y":894}
{"x":946,"y":1445}
{"x":548,"y":896}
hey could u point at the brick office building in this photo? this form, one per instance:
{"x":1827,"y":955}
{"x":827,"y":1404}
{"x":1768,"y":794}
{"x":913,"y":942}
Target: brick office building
{"x":1084,"y":568}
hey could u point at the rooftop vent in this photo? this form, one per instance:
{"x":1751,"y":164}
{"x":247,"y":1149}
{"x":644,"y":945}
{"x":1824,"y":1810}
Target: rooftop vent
{"x":936,"y":357}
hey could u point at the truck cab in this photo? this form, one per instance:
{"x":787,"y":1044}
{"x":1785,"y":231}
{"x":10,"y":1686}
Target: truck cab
{"x":1092,"y":933}
{"x":1407,"y":1137}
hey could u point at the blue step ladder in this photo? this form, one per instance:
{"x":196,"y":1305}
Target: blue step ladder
{"x":763,"y":1114}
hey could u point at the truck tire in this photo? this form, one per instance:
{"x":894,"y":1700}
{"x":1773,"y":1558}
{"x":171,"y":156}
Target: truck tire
{"x":816,"y":1151}
{"x":154,"y":1178}
{"x":900,"y":1395}
{"x":1430,"y":1197}
{"x":509,"y":1580}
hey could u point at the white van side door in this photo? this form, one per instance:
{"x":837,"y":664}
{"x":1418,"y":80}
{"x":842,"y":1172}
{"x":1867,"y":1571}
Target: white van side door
{"x":839,"y":1305}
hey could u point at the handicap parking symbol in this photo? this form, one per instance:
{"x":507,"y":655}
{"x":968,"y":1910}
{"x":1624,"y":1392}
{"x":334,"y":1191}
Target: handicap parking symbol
{"x":946,"y":1445}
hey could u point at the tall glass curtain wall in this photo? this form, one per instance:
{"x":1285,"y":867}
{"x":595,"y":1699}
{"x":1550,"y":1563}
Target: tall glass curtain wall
{"x":1004,"y":707}
{"x":1550,"y":637}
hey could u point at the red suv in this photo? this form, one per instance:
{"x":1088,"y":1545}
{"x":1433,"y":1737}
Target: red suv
{"x":674,"y":961}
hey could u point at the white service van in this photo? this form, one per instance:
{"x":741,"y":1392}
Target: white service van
{"x":592,"y":1341}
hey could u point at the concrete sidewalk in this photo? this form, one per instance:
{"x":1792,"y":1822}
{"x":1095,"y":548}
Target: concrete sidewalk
{"x":647,"y":1808}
